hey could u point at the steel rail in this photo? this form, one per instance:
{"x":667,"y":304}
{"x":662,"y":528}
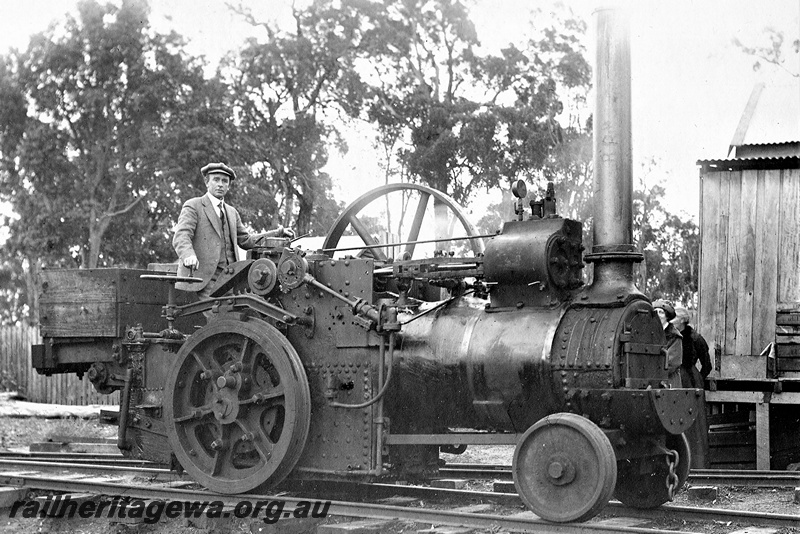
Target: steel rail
{"x":707,"y":515}
{"x":773,"y":479}
{"x":125,"y":462}
{"x":81,"y":458}
{"x":99,"y":469}
{"x":63,"y":455}
{"x":615,"y":507}
{"x":769,"y":479}
{"x":337,"y":508}
{"x":34,"y":480}
{"x":55,"y":461}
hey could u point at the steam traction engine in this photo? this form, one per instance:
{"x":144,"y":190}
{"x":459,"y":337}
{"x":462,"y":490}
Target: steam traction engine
{"x":341,"y":368}
{"x":327,"y":367}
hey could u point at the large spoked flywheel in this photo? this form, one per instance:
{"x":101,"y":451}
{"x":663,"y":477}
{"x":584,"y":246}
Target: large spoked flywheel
{"x":565,"y":468}
{"x":349,"y":218}
{"x":237,"y":406}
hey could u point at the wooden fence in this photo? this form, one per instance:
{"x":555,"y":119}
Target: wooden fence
{"x":17,"y":373}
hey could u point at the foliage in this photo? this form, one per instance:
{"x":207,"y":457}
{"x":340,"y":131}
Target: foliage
{"x":100,"y":118}
{"x":285,"y":88}
{"x":495,"y":215}
{"x":13,"y":292}
{"x":776,"y":51}
{"x":467,"y":120}
{"x":670,"y":244}
{"x":90,"y":162}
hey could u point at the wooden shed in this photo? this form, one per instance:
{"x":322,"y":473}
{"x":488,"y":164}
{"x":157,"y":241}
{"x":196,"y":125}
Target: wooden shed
{"x":749,"y":298}
{"x":750,"y":265}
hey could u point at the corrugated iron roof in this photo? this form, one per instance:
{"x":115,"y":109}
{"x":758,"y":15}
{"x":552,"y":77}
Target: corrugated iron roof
{"x":771,"y":116}
{"x":782,"y":143}
{"x":786,"y":162}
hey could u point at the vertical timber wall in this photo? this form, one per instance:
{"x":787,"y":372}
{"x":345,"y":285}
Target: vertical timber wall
{"x":749,"y":309}
{"x":749,"y":265}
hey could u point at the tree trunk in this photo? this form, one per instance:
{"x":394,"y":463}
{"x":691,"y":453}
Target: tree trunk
{"x":96,"y":232}
{"x":286,"y":219}
{"x":303,"y":222}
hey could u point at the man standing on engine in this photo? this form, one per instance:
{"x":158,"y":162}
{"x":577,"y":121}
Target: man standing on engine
{"x":208,"y":232}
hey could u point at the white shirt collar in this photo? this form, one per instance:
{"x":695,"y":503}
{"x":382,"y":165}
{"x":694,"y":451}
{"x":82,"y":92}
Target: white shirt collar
{"x":214,"y":200}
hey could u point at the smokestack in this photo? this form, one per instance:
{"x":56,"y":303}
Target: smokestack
{"x":613,"y":252}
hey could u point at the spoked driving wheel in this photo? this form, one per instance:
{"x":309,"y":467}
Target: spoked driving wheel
{"x":237,"y":406}
{"x":565,"y":468}
{"x":645,"y":482}
{"x":349,"y":219}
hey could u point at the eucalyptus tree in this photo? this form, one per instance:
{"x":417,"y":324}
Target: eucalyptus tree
{"x":475,"y":120}
{"x":670,"y":243}
{"x":102,"y":122}
{"x":292,"y":90}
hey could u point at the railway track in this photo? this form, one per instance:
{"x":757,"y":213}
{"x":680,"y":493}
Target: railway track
{"x":158,"y":484}
{"x":76,"y":457}
{"x":722,"y":477}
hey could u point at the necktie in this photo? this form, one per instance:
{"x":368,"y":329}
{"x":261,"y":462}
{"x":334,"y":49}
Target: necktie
{"x":224,"y":230}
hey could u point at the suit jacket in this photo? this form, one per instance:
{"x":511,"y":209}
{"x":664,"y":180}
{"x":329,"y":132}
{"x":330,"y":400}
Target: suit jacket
{"x":674,"y":348}
{"x":695,"y":348}
{"x":199,"y":232}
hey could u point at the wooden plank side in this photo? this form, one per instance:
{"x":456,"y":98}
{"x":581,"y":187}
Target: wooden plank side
{"x":11,"y":364}
{"x":748,"y":212}
{"x":721,"y":325}
{"x":8,"y":366}
{"x":6,"y":363}
{"x":709,"y":238}
{"x":22,"y":361}
{"x":33,"y":339}
{"x":75,"y":286}
{"x":766,"y":275}
{"x":54,"y":391}
{"x":75,"y":303}
{"x":762,"y":436}
{"x":789,"y":254}
{"x":718,"y":439}
{"x":788,"y":364}
{"x":787,"y":351}
{"x":26,"y":374}
{"x":732,"y":266}
{"x":784,"y":318}
{"x":87,"y":319}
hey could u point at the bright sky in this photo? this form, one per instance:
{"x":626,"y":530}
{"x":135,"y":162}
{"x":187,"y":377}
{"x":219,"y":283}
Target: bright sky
{"x":690,"y":85}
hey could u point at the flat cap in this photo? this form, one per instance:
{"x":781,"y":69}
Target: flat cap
{"x":669,"y":311}
{"x":220,"y":168}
